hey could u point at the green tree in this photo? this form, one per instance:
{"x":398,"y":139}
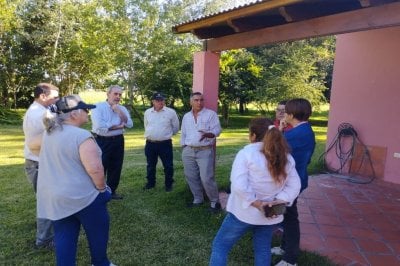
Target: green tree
{"x":292,"y":70}
{"x":239,"y":80}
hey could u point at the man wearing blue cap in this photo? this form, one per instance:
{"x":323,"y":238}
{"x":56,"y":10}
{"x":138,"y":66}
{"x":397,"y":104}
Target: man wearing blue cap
{"x":160,"y":124}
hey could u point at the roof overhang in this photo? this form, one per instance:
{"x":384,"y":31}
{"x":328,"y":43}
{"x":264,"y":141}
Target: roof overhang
{"x":272,"y":21}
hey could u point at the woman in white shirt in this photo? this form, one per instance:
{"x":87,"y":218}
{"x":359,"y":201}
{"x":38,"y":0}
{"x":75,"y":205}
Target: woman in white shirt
{"x":263,"y":174}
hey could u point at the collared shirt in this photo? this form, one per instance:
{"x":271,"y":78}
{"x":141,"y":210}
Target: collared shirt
{"x":160,"y":125}
{"x":207,"y":121}
{"x":33,"y":126}
{"x":251,"y":181}
{"x":103,"y":117}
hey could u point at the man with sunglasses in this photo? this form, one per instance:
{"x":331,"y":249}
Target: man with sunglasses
{"x":109,"y":119}
{"x":45,"y":95}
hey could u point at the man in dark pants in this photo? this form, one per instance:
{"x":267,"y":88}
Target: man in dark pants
{"x":109,"y":119}
{"x":160,"y":123}
{"x":301,"y":140}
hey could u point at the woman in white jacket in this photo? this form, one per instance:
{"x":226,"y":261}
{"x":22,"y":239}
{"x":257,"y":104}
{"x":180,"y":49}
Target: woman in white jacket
{"x":263,"y":174}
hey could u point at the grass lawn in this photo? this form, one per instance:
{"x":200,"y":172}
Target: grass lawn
{"x":147,"y":227}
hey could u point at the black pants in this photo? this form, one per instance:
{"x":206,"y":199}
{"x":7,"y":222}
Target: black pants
{"x":112,"y":157}
{"x":162,"y":149}
{"x":291,"y":234}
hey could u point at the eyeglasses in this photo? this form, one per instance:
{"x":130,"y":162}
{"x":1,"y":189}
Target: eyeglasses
{"x":279,"y":110}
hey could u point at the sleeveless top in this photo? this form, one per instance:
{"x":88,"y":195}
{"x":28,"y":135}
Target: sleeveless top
{"x":64,"y":187}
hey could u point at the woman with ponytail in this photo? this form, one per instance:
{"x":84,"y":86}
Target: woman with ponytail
{"x":263,"y":175}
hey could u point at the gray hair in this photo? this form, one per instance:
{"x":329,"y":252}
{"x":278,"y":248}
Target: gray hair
{"x":53,"y":121}
{"x":113,"y":87}
{"x":194,"y":94}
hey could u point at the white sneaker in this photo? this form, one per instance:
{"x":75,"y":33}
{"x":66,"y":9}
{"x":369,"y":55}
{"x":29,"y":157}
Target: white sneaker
{"x":277,"y":251}
{"x":284,"y":263}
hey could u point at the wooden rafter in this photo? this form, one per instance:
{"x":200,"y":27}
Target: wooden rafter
{"x":282,"y":11}
{"x":236,"y":13}
{"x":232,"y":25}
{"x":358,"y":20}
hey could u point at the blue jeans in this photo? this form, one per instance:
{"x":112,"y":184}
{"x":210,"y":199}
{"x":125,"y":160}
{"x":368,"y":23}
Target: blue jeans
{"x":96,"y":222}
{"x":231,"y":231}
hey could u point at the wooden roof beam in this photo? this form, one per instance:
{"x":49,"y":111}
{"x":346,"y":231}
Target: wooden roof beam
{"x":233,"y":14}
{"x":363,"y":19}
{"x":284,"y":13}
{"x":232,"y":25}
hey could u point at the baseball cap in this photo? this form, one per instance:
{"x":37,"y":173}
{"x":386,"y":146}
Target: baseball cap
{"x":69,"y":103}
{"x":158,"y":96}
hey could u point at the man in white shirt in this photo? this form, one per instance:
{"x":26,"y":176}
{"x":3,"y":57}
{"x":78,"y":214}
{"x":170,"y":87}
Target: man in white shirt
{"x":199,"y":129}
{"x":44,"y":94}
{"x":160,"y":123}
{"x":109,"y":119}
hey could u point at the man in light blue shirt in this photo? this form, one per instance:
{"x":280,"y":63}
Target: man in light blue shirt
{"x":109,"y":119}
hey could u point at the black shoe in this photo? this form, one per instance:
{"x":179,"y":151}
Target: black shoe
{"x":168,"y":188}
{"x":148,"y":186}
{"x":194,"y":205}
{"x":216,"y":208}
{"x":116,"y":196}
{"x":49,"y":245}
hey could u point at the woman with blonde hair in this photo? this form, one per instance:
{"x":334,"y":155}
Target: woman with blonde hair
{"x":263,"y":176}
{"x":71,"y":188}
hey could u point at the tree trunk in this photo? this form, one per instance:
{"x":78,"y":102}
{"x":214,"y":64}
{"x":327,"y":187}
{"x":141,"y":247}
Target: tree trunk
{"x":225,"y":114}
{"x":241,"y":107}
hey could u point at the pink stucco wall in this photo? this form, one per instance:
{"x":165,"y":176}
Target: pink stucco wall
{"x":206,"y":77}
{"x":366,"y":92}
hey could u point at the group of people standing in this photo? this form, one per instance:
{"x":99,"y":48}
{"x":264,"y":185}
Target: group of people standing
{"x":67,"y":167}
{"x":80,"y":170}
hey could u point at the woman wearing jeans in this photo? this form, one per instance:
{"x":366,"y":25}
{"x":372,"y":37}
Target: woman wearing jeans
{"x":71,"y":189}
{"x":263,"y":174}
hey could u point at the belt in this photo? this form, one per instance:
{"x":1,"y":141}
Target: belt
{"x":200,"y":148}
{"x":157,"y":141}
{"x":107,"y":137}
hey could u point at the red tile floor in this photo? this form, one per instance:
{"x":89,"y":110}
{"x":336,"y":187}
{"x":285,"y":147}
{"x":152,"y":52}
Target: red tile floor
{"x":353,"y":224}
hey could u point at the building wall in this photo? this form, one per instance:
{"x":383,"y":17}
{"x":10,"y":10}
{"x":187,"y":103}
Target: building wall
{"x":366,"y":93}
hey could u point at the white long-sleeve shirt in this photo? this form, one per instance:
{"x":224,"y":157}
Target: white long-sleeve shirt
{"x":207,"y":121}
{"x":251,"y":181}
{"x":160,"y":125}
